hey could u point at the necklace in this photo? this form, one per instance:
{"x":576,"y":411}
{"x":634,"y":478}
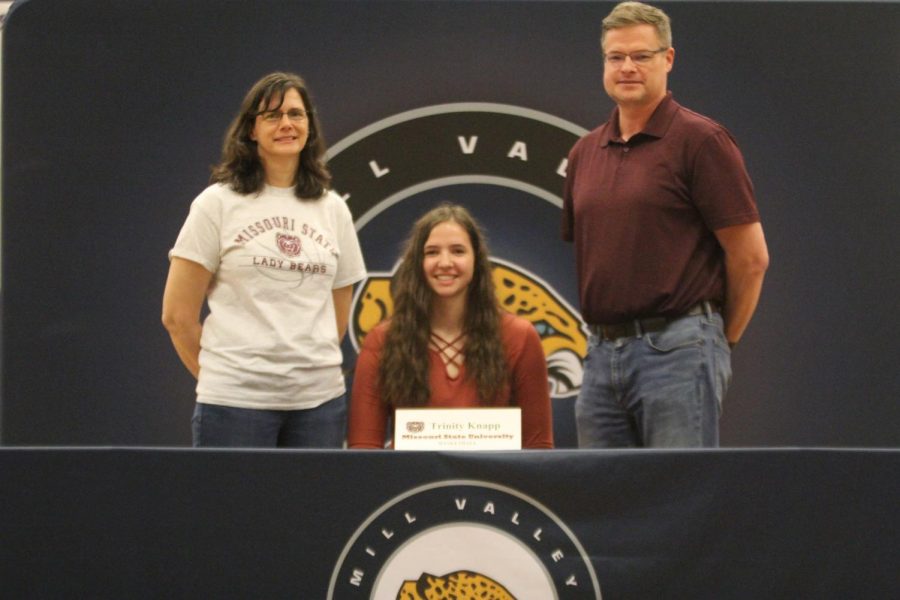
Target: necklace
{"x":451,"y":353}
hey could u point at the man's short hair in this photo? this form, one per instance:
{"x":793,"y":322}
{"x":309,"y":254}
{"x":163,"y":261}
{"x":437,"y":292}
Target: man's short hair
{"x":627,"y":14}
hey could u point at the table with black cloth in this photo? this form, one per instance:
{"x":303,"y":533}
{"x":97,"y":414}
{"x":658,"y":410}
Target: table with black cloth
{"x":157,"y":522}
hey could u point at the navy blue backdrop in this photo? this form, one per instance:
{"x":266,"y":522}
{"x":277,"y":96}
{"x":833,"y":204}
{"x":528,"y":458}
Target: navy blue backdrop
{"x":113,"y":111}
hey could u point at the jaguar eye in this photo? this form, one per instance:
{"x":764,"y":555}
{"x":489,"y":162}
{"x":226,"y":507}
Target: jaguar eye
{"x":544,"y":328}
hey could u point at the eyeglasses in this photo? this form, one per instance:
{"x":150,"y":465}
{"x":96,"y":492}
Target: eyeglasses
{"x":274,"y":116}
{"x":640,"y":58}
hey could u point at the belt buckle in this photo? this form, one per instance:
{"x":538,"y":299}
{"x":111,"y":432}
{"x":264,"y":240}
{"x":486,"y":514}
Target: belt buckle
{"x":615,"y":331}
{"x":619,"y":330}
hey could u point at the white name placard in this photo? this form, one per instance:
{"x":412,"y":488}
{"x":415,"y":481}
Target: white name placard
{"x":458,"y":428}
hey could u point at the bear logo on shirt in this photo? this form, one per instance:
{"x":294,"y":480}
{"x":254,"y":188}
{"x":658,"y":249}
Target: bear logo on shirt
{"x":288,"y":244}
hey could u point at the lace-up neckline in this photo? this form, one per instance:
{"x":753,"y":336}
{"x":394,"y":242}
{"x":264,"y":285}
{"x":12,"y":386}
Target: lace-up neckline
{"x":451,"y":353}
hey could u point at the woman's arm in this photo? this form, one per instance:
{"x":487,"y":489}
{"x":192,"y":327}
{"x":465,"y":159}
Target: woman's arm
{"x":368,"y":414}
{"x":182,"y":301}
{"x":531,"y":390}
{"x":342,"y":298}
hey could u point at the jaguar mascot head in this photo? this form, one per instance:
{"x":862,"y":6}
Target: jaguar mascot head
{"x":461,"y":585}
{"x":563,"y":335}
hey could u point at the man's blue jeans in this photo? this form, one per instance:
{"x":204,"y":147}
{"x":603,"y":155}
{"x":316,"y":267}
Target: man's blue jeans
{"x":324,"y":426}
{"x":662,"y":389}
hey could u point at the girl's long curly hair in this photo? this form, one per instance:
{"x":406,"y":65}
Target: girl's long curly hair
{"x":404,"y":365}
{"x":240,"y":166}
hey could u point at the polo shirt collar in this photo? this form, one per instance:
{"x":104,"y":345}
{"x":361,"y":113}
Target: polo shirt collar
{"x":656,"y":127}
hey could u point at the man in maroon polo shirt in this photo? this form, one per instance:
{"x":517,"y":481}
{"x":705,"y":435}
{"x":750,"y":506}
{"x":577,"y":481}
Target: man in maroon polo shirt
{"x":669,"y":250}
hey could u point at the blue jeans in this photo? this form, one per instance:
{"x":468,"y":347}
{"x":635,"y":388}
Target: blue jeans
{"x":324,"y":426}
{"x":662,"y":389}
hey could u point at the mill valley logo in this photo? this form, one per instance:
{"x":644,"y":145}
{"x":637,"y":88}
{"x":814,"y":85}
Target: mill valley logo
{"x":463,"y":539}
{"x":389,"y":171}
{"x":400,"y":156}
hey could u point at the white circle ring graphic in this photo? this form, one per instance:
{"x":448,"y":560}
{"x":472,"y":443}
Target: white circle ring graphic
{"x":349,"y":579}
{"x":441,"y":163}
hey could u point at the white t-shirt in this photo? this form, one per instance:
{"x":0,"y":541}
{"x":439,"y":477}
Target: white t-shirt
{"x":270,"y":339}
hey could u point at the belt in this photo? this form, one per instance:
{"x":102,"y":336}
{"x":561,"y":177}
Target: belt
{"x":637,"y":327}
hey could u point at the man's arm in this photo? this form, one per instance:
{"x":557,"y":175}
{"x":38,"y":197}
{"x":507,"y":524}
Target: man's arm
{"x":746,"y":261}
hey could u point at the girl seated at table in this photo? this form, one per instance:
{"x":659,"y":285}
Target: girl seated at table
{"x":448,"y":343}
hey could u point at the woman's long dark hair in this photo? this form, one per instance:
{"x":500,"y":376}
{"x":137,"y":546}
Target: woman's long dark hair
{"x":240,"y":166}
{"x":403,"y":369}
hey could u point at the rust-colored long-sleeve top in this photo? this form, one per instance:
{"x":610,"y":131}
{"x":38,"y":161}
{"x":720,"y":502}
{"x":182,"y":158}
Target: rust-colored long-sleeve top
{"x":528,"y":387}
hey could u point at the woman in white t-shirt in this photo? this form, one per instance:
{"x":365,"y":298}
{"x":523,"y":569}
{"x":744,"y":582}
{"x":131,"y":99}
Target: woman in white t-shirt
{"x":274,"y":254}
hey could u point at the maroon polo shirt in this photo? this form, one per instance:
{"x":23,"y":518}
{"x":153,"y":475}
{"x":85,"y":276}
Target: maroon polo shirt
{"x":642,"y":214}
